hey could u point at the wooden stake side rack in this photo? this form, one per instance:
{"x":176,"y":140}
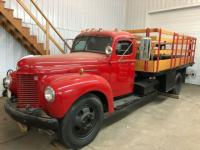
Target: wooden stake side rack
{"x":168,"y":50}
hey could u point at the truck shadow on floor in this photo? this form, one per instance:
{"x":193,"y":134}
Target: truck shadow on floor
{"x":121,"y":114}
{"x":117,"y":116}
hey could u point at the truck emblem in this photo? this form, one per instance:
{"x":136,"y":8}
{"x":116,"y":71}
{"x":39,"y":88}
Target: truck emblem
{"x":81,"y":71}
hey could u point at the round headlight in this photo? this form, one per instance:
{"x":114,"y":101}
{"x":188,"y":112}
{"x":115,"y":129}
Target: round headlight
{"x":9,"y":72}
{"x":49,"y":94}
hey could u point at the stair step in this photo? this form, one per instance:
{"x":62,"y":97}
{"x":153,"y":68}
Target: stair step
{"x":26,"y":30}
{"x":28,"y":46}
{"x":2,"y":3}
{"x":2,"y":19}
{"x":33,"y":39}
{"x":9,"y":27}
{"x":41,"y":46}
{"x":31,"y":48}
{"x":18,"y":21}
{"x":9,"y":12}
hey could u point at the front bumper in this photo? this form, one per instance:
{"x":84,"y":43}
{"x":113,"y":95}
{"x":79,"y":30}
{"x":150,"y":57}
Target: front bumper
{"x":30,"y":119}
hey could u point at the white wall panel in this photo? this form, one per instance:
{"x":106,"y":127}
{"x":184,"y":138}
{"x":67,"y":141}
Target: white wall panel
{"x":137,"y":10}
{"x":11,"y":52}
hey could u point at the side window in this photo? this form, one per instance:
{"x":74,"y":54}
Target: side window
{"x":124,"y":48}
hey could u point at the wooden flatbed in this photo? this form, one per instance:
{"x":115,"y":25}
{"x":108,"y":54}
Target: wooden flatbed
{"x":168,"y":50}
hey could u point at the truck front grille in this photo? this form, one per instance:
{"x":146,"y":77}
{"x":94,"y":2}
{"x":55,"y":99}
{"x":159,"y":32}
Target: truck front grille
{"x":27,"y":91}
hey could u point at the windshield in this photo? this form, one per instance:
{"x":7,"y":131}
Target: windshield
{"x":91,"y":43}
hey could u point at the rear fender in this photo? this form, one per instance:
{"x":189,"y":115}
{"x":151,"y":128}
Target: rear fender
{"x":70,"y":87}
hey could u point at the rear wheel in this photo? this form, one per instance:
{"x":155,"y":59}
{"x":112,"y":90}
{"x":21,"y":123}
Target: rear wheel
{"x":83,"y":122}
{"x":178,"y":84}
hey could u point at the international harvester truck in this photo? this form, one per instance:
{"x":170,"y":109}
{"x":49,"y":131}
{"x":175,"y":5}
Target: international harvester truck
{"x":106,"y":71}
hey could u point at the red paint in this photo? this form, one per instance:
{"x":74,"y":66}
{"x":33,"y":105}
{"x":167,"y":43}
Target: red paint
{"x":70,"y":87}
{"x":76,"y":74}
{"x":13,"y":86}
{"x":159,"y":44}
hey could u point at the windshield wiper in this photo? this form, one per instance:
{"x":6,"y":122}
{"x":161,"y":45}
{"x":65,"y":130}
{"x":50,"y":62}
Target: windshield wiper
{"x":81,"y":39}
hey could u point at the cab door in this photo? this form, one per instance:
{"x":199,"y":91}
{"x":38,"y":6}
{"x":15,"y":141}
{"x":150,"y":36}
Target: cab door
{"x":123,"y":66}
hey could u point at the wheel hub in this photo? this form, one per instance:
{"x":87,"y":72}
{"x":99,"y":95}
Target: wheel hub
{"x":85,"y":120}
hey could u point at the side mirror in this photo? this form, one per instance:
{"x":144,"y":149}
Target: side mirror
{"x":108,"y":50}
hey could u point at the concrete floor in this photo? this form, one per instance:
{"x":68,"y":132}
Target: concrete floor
{"x":163,"y":124}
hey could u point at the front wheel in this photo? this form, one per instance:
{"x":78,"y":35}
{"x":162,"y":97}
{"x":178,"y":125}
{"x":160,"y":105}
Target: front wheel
{"x":83,"y":122}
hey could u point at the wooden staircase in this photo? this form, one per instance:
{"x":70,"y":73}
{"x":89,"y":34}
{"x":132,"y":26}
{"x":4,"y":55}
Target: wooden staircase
{"x":18,"y":31}
{"x":22,"y":34}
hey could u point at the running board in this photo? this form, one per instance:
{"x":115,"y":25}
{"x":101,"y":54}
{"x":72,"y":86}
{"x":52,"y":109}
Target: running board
{"x":131,"y":100}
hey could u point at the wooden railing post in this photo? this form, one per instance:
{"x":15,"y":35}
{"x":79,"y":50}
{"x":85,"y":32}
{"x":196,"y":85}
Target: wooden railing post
{"x":176,"y":49}
{"x":47,"y":38}
{"x":183,"y":40}
{"x":173,"y":46}
{"x":159,"y":48}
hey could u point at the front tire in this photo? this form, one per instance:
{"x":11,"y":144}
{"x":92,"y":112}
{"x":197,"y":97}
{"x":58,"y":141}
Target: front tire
{"x":82,"y":123}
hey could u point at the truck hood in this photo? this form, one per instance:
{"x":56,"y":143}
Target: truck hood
{"x":61,"y":63}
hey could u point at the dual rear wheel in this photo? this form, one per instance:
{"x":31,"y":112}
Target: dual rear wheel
{"x":178,"y":84}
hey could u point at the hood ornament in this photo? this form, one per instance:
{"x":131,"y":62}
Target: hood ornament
{"x":81,"y":71}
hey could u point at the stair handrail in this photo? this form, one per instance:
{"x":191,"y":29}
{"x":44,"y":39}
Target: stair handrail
{"x":62,"y":38}
{"x":45,"y":29}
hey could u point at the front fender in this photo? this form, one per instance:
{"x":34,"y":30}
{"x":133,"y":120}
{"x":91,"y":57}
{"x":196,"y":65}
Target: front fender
{"x":70,"y":87}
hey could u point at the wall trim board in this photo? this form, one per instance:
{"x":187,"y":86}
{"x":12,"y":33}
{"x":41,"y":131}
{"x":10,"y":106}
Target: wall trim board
{"x":148,"y":14}
{"x":174,"y":8}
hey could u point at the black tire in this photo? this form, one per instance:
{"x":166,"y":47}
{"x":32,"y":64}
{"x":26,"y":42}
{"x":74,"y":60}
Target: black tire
{"x":178,"y":84}
{"x":82,"y":123}
{"x":4,"y":94}
{"x":4,"y":83}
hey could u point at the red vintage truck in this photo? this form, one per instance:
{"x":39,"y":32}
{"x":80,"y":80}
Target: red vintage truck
{"x":106,"y":71}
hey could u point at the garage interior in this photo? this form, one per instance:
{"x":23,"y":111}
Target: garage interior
{"x":161,"y":123}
